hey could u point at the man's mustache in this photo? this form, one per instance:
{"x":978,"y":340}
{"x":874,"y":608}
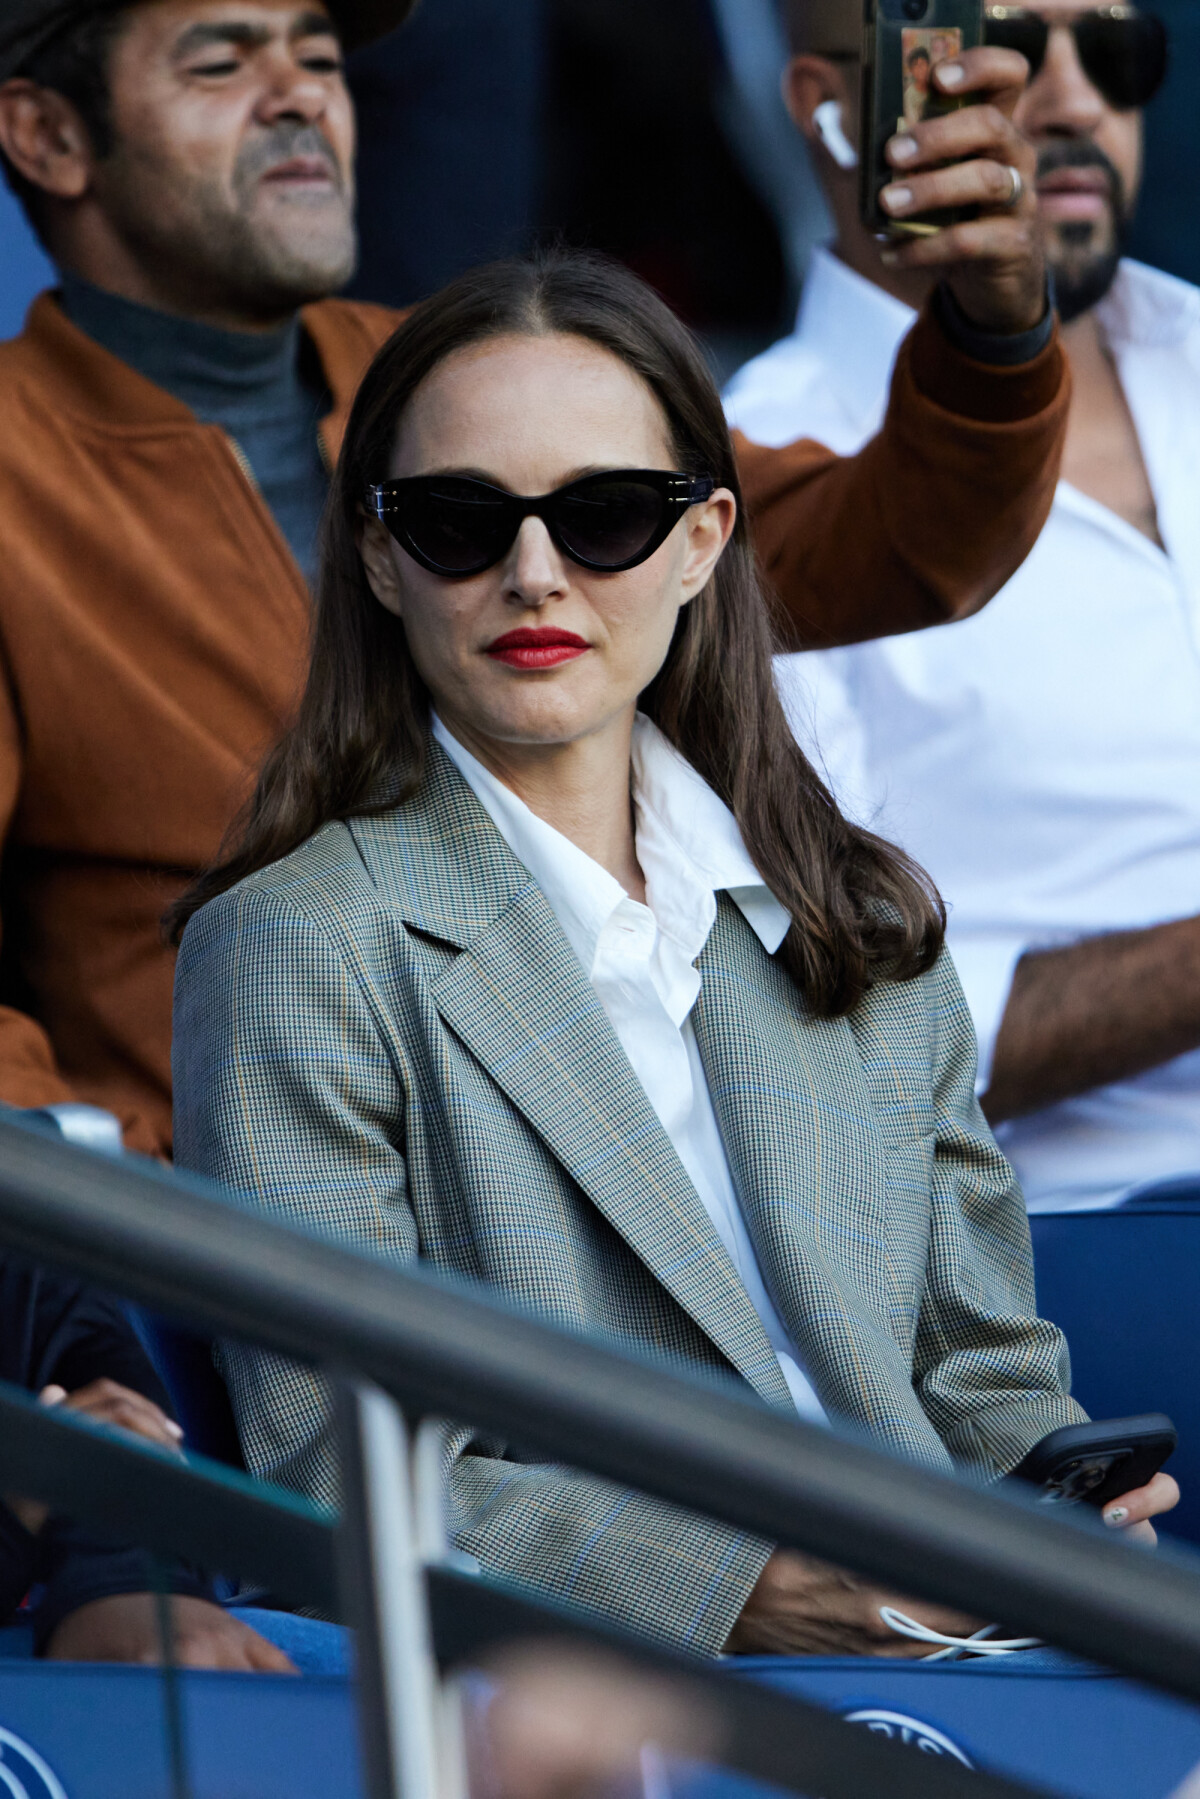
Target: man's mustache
{"x":281,"y":143}
{"x":1080,"y":153}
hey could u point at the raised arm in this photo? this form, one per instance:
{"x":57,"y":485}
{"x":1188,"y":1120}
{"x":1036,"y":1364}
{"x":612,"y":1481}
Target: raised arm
{"x":932,"y":517}
{"x":928,"y":521}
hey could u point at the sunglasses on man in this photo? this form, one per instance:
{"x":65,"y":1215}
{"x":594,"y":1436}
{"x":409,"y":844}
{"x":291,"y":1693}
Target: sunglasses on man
{"x":457,"y":526}
{"x":1123,"y":52}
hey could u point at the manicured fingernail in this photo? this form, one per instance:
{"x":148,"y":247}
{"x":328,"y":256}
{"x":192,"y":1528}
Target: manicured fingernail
{"x":903,"y":149}
{"x":897,"y":199}
{"x":950,"y":74}
{"x":1116,"y":1514}
{"x":175,"y":1430}
{"x":52,"y":1395}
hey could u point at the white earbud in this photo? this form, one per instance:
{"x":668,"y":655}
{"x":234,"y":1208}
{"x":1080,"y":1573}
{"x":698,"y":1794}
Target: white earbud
{"x":828,"y":121}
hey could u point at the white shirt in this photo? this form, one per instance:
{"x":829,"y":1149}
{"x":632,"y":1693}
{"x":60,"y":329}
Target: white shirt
{"x":1042,"y":759}
{"x":640,"y":961}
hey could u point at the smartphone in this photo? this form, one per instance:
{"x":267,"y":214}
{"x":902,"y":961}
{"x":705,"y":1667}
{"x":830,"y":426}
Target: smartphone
{"x":1093,"y":1463}
{"x":902,"y":41}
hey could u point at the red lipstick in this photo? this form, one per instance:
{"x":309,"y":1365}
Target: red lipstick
{"x":542,"y":648}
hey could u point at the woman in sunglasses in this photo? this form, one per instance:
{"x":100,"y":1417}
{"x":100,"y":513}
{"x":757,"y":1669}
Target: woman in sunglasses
{"x":545,"y":956}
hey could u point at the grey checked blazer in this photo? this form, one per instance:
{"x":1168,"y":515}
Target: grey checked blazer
{"x":386,"y":1035}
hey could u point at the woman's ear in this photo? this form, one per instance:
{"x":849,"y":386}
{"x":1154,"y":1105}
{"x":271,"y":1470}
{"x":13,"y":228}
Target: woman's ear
{"x":709,"y":527}
{"x":379,"y":563}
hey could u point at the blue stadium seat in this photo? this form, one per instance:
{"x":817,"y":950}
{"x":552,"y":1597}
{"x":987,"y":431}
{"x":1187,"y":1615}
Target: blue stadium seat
{"x":1125,"y":1287}
{"x":98,"y":1732}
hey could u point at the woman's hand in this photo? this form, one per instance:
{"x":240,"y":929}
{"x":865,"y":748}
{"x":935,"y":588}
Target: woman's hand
{"x":801,"y":1606}
{"x":124,"y":1628}
{"x":1132,"y":1512}
{"x":104,"y":1402}
{"x":992,"y":264}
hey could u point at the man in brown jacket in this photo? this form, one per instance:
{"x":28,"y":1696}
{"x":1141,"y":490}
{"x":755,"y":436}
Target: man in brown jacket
{"x":168,"y":416}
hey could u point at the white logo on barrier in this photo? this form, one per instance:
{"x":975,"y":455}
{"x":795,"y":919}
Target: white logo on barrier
{"x":909,"y":1730}
{"x":23,"y":1773}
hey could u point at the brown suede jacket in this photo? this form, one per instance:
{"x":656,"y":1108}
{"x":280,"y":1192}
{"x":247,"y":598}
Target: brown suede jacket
{"x":154,"y":626}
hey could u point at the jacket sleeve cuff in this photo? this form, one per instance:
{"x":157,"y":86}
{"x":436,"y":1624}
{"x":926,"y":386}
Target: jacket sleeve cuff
{"x":969,"y":372}
{"x":1001,"y":349}
{"x":90,"y":1571}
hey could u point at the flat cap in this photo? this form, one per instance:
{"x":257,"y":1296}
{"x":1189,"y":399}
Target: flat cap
{"x":25,"y":25}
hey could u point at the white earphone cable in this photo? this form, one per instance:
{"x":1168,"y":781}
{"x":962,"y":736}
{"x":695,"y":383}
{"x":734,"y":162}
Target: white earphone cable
{"x":946,"y":1648}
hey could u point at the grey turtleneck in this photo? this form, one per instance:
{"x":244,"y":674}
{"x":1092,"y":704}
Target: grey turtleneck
{"x":259,"y":386}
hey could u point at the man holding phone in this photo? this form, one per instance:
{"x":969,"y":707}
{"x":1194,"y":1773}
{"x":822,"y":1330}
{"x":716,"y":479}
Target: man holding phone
{"x":1040,"y":759}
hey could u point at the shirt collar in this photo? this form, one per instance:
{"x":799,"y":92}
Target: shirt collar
{"x":688,"y":843}
{"x":683,"y":825}
{"x":854,"y":326}
{"x":1147,"y":307}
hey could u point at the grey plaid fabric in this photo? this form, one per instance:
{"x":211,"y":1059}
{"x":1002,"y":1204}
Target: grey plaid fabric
{"x":386,"y":1036}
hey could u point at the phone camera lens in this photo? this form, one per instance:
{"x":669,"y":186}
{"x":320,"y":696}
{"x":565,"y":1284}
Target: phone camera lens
{"x":914,"y":9}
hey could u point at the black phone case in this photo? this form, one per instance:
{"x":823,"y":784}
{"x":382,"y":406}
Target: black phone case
{"x":885,"y":25}
{"x":1141,"y":1444}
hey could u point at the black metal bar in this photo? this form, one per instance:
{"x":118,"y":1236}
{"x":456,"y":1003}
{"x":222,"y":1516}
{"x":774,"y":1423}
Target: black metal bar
{"x":441,"y":1347}
{"x":196,"y":1510}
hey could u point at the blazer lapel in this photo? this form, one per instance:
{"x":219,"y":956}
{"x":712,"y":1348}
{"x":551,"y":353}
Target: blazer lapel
{"x":809,"y":1164}
{"x":519,"y":1000}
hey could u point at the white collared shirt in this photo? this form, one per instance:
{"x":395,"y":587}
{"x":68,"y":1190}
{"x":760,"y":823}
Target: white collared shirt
{"x":640,"y":959}
{"x":1042,"y":759}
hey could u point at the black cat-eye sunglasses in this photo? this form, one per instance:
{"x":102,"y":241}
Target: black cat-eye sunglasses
{"x":456,"y":526}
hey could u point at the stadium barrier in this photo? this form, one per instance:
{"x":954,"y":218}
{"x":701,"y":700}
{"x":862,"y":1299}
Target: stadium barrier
{"x":406,"y":1341}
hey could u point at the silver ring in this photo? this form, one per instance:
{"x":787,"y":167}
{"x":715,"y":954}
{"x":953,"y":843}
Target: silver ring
{"x":1018,"y":185}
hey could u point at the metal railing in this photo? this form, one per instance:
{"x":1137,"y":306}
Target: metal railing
{"x":209,"y":1514}
{"x":444,"y":1349}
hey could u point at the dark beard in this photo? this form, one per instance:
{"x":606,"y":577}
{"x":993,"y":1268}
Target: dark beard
{"x":1081,"y":284}
{"x":1083,"y":269}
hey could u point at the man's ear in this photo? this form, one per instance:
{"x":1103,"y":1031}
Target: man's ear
{"x":808,"y":81}
{"x":45,"y":139}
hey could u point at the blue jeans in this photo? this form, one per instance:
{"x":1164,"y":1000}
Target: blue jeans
{"x":314,"y":1646}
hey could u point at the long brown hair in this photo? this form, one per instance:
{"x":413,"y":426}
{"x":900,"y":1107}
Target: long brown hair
{"x":859,"y":907}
